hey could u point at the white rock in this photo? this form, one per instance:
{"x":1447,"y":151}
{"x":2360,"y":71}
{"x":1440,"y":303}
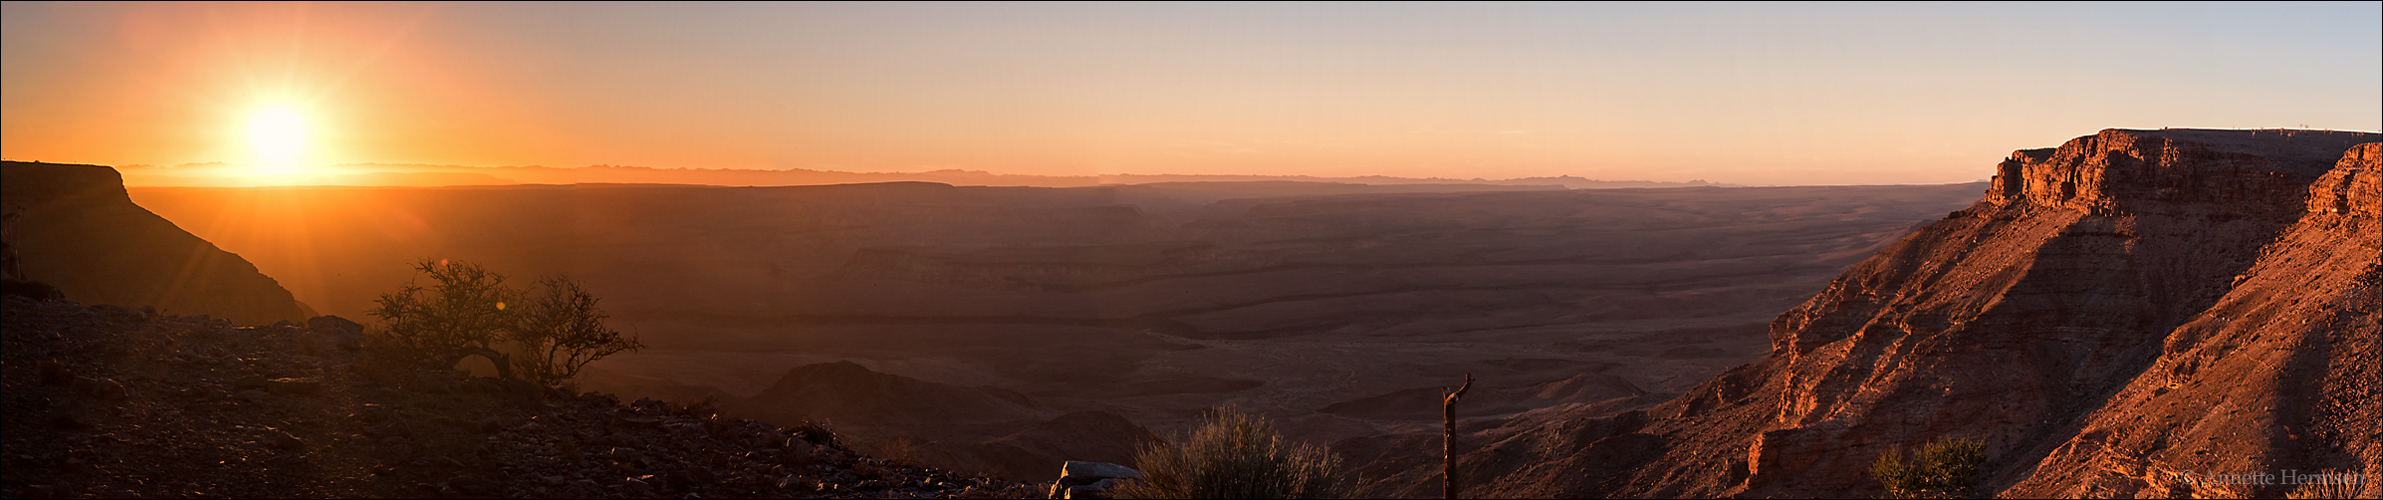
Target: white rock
{"x":1088,"y":472}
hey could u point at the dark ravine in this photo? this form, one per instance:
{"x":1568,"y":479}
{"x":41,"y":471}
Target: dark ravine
{"x":2115,"y":315}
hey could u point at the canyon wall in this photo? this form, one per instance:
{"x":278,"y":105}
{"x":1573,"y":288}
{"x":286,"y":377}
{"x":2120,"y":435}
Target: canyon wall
{"x":2124,"y":315}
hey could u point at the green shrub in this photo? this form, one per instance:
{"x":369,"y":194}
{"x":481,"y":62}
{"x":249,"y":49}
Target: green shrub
{"x":1945,"y":468}
{"x":546,"y":337}
{"x":1235,"y":455}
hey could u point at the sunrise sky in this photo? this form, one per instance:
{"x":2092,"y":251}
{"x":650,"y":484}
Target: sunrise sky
{"x":1739,"y":93}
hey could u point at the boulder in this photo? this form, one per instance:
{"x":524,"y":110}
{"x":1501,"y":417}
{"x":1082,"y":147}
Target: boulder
{"x":107,"y":389}
{"x":55,"y":373}
{"x":1090,"y":479}
{"x":1095,"y":471}
{"x":295,"y":386}
{"x":333,"y":335}
{"x":284,"y":440}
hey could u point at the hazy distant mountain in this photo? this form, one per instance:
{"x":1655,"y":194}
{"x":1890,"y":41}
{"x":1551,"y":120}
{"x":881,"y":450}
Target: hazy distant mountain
{"x":77,"y":230}
{"x":378,"y":174}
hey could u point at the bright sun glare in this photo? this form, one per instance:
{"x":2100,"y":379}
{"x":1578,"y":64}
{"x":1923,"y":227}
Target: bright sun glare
{"x":278,"y":134}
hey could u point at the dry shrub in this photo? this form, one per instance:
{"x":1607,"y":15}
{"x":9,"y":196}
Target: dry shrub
{"x":815,"y":432}
{"x":2332,"y":484}
{"x":903,"y":450}
{"x":544,"y":336}
{"x":1945,"y":468}
{"x":1235,"y":455}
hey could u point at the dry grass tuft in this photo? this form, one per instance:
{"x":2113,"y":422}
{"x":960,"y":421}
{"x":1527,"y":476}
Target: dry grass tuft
{"x":1236,"y":455}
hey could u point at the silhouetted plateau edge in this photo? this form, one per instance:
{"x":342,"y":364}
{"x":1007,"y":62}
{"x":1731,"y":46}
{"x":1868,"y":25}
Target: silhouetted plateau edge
{"x":75,"y":228}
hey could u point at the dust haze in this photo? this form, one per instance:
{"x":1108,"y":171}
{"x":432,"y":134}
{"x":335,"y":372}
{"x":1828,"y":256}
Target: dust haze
{"x":1001,"y":329}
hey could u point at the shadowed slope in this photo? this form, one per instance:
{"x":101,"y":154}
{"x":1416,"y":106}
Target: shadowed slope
{"x":77,"y":230}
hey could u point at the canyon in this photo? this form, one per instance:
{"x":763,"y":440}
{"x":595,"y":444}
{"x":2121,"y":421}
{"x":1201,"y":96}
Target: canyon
{"x":1337,"y":309}
{"x":2122,"y":316}
{"x":2112,"y":317}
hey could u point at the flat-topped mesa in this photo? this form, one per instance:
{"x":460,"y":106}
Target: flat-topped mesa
{"x":2354,"y":187}
{"x":2256,"y":171}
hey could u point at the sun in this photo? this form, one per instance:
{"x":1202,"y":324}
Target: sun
{"x":278,"y":134}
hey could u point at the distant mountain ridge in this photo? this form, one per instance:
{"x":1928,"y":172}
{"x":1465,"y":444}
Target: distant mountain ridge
{"x":380,"y":174}
{"x":76,"y":228}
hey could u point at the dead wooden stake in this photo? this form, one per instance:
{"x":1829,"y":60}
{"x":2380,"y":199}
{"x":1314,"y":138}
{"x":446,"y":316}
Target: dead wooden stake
{"x":1448,"y":446}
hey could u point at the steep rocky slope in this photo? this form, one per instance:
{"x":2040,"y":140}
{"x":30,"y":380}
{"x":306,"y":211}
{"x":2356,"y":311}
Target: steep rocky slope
{"x":75,"y":228}
{"x":2124,"y":315}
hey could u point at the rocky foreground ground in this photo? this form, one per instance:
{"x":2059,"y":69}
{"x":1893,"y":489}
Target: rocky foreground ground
{"x":108,"y":402}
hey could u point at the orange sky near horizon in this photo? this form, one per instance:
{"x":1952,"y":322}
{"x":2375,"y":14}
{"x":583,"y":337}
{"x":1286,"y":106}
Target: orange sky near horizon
{"x":1748,"y":94}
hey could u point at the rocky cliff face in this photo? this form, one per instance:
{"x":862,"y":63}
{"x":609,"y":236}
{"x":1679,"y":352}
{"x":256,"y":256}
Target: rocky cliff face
{"x":75,"y":228}
{"x":2119,"y":316}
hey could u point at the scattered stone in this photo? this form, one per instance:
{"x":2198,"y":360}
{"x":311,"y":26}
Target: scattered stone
{"x":374,"y":413}
{"x":333,"y":333}
{"x":1090,"y":479}
{"x":55,"y":373}
{"x":295,"y":386}
{"x":253,"y":395}
{"x":284,"y":440}
{"x":108,"y":389}
{"x":1096,"y":471}
{"x":286,"y":460}
{"x":389,"y":430}
{"x":362,"y":416}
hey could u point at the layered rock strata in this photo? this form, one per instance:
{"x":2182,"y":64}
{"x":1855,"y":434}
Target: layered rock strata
{"x":2126,"y":315}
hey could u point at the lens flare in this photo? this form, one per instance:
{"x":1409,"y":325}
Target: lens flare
{"x":278,"y":133}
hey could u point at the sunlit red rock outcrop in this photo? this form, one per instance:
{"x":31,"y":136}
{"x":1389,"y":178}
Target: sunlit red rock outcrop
{"x":2116,"y":313}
